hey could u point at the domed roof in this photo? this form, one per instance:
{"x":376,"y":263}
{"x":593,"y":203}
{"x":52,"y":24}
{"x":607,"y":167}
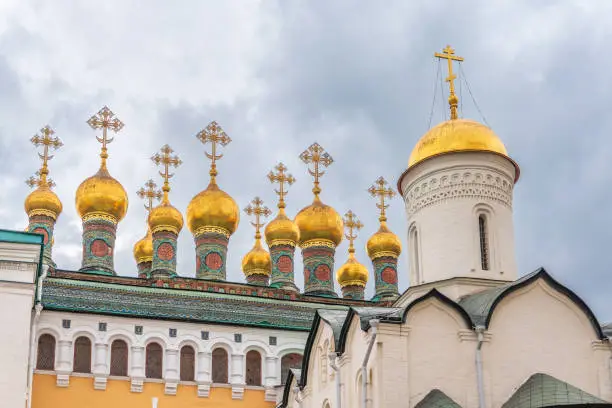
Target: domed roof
{"x":213,"y":207}
{"x":143,"y":249}
{"x":43,"y":201}
{"x":456,"y":135}
{"x":165,"y":217}
{"x":319,"y":221}
{"x":352,"y":273}
{"x":102,"y":194}
{"x":282,"y":229}
{"x":383,"y":243}
{"x":257,"y":261}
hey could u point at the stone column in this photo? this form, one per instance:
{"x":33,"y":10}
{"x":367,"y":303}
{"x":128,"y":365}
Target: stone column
{"x":318,"y":258}
{"x":64,"y":362}
{"x":271,"y":380}
{"x":203,"y":373}
{"x":164,"y":254}
{"x":171,"y":372}
{"x":99,"y":233}
{"x":100,"y":368}
{"x":44,"y":225}
{"x":211,"y":253}
{"x":385,"y":275}
{"x":237,"y":375}
{"x":137,"y":371}
{"x":282,"y":266}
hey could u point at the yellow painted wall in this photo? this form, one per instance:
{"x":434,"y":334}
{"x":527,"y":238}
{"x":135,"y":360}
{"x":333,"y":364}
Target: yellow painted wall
{"x":81,"y":394}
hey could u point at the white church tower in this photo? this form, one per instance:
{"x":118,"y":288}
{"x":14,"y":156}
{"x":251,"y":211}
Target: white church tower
{"x":458,"y":195}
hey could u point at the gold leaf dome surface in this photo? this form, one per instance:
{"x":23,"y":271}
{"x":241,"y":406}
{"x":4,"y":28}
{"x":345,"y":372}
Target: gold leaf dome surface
{"x":352,"y":273}
{"x":43,"y":201}
{"x":257,"y":261}
{"x":384,"y":242}
{"x":319,"y":221}
{"x":282,"y":228}
{"x":101,"y":193}
{"x":143,"y":249}
{"x":455,"y":136}
{"x":166,"y":217}
{"x":213,"y":207}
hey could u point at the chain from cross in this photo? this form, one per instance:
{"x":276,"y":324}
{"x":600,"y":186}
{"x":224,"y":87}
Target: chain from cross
{"x":257,"y":209}
{"x":449,"y":54}
{"x":165,"y":159}
{"x":215,"y":135}
{"x":105,"y":119}
{"x":380,"y":190}
{"x":352,"y":225}
{"x":317,"y":156}
{"x":149,"y":193}
{"x":282,"y":178}
{"x":47,"y":141}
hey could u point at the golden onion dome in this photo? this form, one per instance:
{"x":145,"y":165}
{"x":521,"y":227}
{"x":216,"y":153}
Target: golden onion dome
{"x":143,"y":249}
{"x":456,"y":135}
{"x":319,"y":221}
{"x":213,"y":207}
{"x":257,"y":261}
{"x":165,"y":217}
{"x":383,"y":243}
{"x":352,"y":273}
{"x":43,"y":201}
{"x":102,"y":194}
{"x":282,"y":229}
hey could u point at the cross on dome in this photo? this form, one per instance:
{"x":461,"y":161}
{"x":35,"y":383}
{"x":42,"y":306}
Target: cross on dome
{"x":165,"y":159}
{"x":449,"y":54}
{"x":379,"y":189}
{"x":213,"y":134}
{"x":352,"y":225}
{"x":317,"y":156}
{"x":281,"y":178}
{"x":47,"y":141}
{"x":258,"y":210}
{"x":105,"y":119}
{"x":149,"y":193}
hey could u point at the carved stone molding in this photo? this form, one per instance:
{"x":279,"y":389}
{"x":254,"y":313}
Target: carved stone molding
{"x":18,"y":266}
{"x":203,"y":390}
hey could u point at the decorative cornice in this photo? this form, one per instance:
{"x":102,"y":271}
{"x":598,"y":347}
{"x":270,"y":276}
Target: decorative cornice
{"x":43,"y":212}
{"x":384,"y":254}
{"x":100,"y":216}
{"x":277,"y":242}
{"x":209,"y":229}
{"x":319,"y":243}
{"x":168,"y":228}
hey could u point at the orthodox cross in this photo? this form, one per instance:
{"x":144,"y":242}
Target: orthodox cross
{"x":317,"y":156}
{"x":282,"y":178}
{"x":165,"y":159}
{"x":47,"y":141}
{"x":352,"y":225}
{"x":259,"y":210}
{"x":379,"y":189}
{"x":149,"y":193}
{"x":213,"y":134}
{"x":105,"y":119}
{"x":449,"y":54}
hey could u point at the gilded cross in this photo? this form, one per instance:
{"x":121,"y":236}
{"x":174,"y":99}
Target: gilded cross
{"x":149,"y":193}
{"x":317,"y":156}
{"x":259,"y":210}
{"x":282,"y":178}
{"x":352,"y":225}
{"x":215,"y":135}
{"x":380,"y":190}
{"x":165,"y":159}
{"x":36,"y":181}
{"x":105,"y":119}
{"x":47,"y":141}
{"x":449,"y":54}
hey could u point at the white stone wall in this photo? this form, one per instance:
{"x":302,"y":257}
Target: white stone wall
{"x":158,"y":331}
{"x":444,"y":197}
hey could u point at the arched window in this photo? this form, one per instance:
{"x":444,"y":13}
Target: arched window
{"x":483,"y":235}
{"x":45,"y":359}
{"x":187,"y":363}
{"x":219,"y":366}
{"x":253,"y":368}
{"x":119,"y":358}
{"x":289,"y":361}
{"x":82,"y":355}
{"x":416,"y":261}
{"x":155,"y":361}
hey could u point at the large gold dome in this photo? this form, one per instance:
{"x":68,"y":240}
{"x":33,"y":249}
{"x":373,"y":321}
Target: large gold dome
{"x":352,"y":273}
{"x":43,"y":201}
{"x":383,"y":243}
{"x":282,"y":229}
{"x":257,"y":261}
{"x":166,"y":217}
{"x":102,"y":194}
{"x":213,"y":207}
{"x":143,"y":249}
{"x":455,"y":136}
{"x":319,"y":222}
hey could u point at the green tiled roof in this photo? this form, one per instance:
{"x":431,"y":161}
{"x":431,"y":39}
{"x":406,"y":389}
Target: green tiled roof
{"x":437,"y":399}
{"x":542,"y":390}
{"x":20,"y":237}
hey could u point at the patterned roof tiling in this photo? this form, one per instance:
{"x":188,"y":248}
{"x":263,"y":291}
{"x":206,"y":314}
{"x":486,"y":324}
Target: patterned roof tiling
{"x":173,"y":304}
{"x":542,"y":390}
{"x":437,"y":399}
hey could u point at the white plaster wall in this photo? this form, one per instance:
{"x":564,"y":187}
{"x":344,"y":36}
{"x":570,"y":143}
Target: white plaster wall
{"x":321,"y":377}
{"x":443,"y":197}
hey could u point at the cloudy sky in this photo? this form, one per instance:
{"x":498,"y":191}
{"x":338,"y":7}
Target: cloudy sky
{"x":357,"y":77}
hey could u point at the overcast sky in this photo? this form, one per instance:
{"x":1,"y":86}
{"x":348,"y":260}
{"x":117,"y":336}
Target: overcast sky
{"x":358,"y":77}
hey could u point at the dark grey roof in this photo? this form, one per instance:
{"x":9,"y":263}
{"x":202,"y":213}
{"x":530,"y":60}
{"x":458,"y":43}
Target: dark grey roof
{"x":382,"y":313}
{"x":542,"y":390}
{"x":607,"y":329}
{"x":297,"y":374}
{"x":437,"y":399}
{"x":335,"y":318}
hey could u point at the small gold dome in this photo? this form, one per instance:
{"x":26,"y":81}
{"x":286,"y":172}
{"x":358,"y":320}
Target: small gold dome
{"x":319,"y":221}
{"x":455,"y":136}
{"x":212,"y":207}
{"x":166,"y":217}
{"x":383,"y":243}
{"x":352,"y":273}
{"x":101,"y":193}
{"x":257,"y":261}
{"x":282,"y":229}
{"x":43,"y":201}
{"x":143,"y":249}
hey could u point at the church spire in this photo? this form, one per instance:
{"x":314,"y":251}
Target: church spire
{"x":449,"y":54}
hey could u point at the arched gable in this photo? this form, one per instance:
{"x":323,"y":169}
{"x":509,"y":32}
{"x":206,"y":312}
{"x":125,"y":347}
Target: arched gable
{"x":435,"y":294}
